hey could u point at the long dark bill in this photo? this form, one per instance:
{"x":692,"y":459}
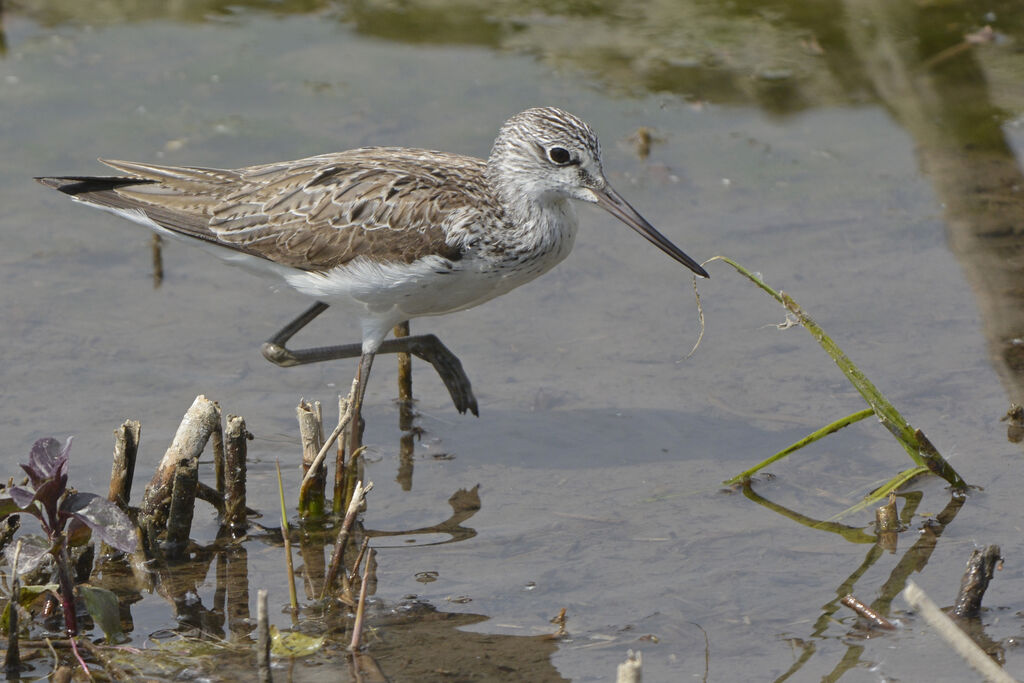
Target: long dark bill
{"x":612,"y":202}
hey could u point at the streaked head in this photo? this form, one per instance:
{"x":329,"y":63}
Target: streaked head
{"x":546,"y":154}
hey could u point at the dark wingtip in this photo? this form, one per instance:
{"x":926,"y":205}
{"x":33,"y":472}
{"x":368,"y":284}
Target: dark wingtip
{"x":55,"y":183}
{"x":76,"y":185}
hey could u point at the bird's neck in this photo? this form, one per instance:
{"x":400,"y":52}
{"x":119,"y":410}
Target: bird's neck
{"x":535,"y":219}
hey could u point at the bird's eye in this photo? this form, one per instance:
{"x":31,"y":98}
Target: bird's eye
{"x":559,"y":155}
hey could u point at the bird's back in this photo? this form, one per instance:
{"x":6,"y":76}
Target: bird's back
{"x":387,"y":204}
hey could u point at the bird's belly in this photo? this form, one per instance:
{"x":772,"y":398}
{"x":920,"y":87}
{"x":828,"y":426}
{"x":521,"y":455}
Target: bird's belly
{"x":394,"y":292}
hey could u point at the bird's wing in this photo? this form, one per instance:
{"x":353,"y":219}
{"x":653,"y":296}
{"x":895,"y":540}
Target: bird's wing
{"x":388,"y":204}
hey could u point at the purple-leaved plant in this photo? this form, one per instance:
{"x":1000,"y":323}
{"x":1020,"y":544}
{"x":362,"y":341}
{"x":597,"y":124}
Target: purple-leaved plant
{"x":63,"y":515}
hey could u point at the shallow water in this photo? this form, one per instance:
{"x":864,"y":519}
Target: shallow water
{"x":823,"y":150}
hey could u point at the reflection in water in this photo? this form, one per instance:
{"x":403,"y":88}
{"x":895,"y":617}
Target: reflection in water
{"x":203,"y":630}
{"x":915,"y":559}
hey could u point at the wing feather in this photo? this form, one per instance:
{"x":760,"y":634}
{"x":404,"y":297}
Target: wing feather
{"x":387,"y":204}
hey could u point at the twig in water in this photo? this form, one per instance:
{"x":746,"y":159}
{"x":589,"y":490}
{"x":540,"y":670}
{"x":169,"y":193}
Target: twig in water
{"x":887,"y":523}
{"x":343,"y":421}
{"x":122,"y":472}
{"x":311,"y":431}
{"x":876,"y":619}
{"x":235,"y":472}
{"x":339,"y":544}
{"x":201,"y":419}
{"x":182,"y":507}
{"x":357,"y":624}
{"x":217,"y":439}
{"x":981,"y":568}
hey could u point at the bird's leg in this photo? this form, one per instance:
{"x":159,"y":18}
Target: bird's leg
{"x":426,"y":346}
{"x":355,"y":426}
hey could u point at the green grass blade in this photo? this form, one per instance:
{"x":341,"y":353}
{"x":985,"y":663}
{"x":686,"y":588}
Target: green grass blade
{"x":914,"y":442}
{"x":882,"y":491}
{"x":806,"y":441}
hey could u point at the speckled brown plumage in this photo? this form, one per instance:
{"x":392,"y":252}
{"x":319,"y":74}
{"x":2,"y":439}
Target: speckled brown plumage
{"x":385,"y":203}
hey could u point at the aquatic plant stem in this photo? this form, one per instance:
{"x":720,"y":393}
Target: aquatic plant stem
{"x":286,"y":535}
{"x":807,"y":440}
{"x":917,"y":446}
{"x":12,"y":658}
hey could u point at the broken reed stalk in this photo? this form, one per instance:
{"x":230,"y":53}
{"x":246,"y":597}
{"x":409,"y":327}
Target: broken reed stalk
{"x":182,"y":507}
{"x":914,"y":442}
{"x":126,"y":450}
{"x":981,"y":568}
{"x":339,"y":543}
{"x":951,"y":633}
{"x":12,"y":658}
{"x":200,"y":421}
{"x":887,"y":523}
{"x":344,"y":416}
{"x":286,"y":535}
{"x":262,"y":637}
{"x":341,"y":478}
{"x":235,"y":450}
{"x":313,"y":489}
{"x":631,"y":670}
{"x":357,"y":623}
{"x":217,"y":441}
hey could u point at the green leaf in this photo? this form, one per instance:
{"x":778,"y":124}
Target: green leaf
{"x":102,"y":606}
{"x":293,"y":643}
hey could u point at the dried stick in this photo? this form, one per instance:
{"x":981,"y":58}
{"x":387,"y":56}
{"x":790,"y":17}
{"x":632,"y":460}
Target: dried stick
{"x":340,"y":473}
{"x":201,"y":419}
{"x":980,"y":568}
{"x":887,"y":524}
{"x":867,"y":612}
{"x":218,"y":452}
{"x":234,"y":474}
{"x":182,"y":507}
{"x":122,"y":472}
{"x":357,"y":624}
{"x":314,"y":481}
{"x":339,"y":544}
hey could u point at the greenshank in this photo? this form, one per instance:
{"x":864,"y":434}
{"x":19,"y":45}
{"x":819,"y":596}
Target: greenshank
{"x":385,"y":233}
